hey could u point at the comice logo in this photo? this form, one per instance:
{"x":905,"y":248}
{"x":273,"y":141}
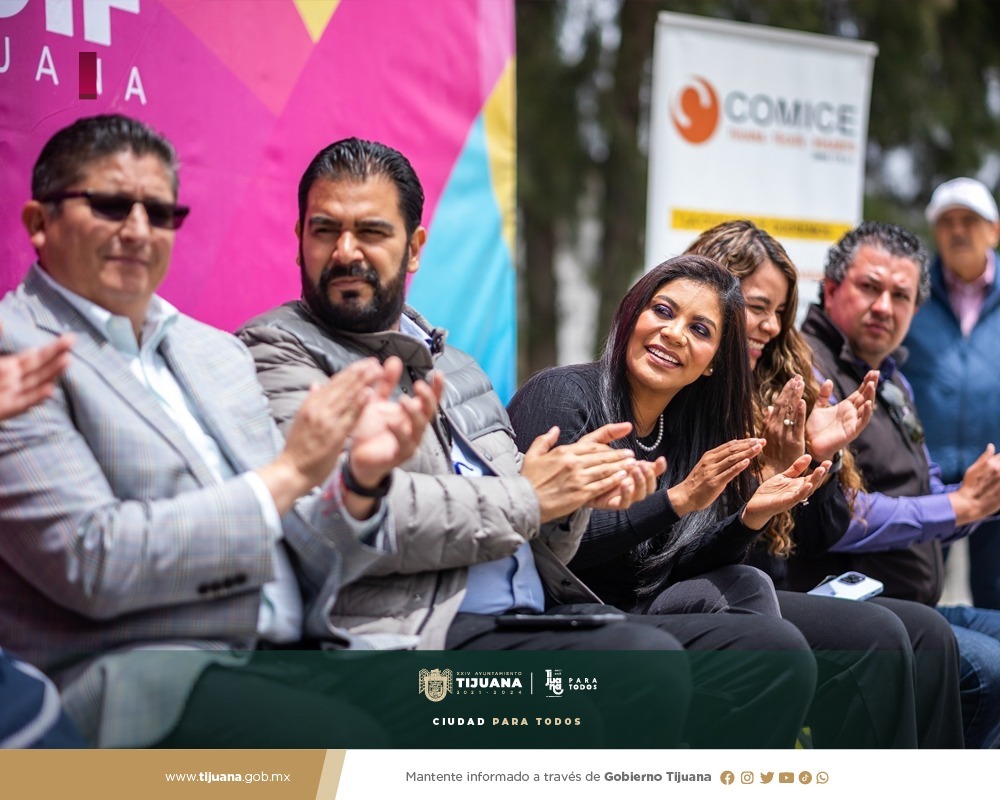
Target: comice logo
{"x":695,"y":110}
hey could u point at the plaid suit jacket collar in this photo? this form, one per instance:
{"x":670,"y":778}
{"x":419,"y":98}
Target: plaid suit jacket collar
{"x":203,"y":382}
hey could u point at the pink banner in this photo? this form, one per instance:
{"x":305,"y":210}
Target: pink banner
{"x":248,"y":92}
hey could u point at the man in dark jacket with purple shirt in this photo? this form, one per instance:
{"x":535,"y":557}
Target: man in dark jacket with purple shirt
{"x":876,"y":277}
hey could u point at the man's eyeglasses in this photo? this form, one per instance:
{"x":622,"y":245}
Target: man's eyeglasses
{"x":901,"y":411}
{"x":117,"y":207}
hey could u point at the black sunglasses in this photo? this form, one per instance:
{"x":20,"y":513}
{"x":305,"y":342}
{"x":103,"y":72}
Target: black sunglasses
{"x":901,"y":411}
{"x":117,"y":207}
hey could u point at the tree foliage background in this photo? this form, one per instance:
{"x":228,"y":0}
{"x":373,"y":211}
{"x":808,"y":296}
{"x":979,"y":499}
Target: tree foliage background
{"x":583,"y":87}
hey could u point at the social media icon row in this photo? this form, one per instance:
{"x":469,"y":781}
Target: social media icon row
{"x":748,"y":776}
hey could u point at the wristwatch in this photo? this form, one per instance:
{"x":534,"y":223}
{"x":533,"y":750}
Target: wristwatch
{"x":381,"y":489}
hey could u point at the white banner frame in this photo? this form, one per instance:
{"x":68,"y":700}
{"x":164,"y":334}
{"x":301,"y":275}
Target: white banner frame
{"x":787,"y":145}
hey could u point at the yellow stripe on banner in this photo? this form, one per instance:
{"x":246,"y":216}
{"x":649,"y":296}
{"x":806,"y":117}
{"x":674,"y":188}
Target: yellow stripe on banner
{"x":499,"y":122}
{"x":686,"y":219}
{"x":316,"y":15}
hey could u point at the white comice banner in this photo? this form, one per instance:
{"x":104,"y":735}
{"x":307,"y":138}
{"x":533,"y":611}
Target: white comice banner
{"x":750,"y":122}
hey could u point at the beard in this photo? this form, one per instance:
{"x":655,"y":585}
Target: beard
{"x":380,"y":313}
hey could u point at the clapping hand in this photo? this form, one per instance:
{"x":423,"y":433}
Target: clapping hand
{"x":319,"y":432}
{"x":388,"y":432}
{"x":639,"y":483}
{"x":832,"y":427}
{"x":714,"y":470}
{"x":29,"y":377}
{"x":783,"y":491}
{"x":979,"y":494}
{"x":570,"y":476}
{"x":785,"y":427}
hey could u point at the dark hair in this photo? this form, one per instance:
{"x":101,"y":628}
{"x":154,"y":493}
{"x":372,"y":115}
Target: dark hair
{"x":712,"y":410}
{"x":66,"y":156}
{"x":359,"y":160}
{"x":894,"y":239}
{"x":742,"y":248}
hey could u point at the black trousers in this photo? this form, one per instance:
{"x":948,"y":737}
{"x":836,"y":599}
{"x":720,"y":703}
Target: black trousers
{"x":733,"y":589}
{"x":937,"y":671}
{"x":888,"y":672}
{"x":751,"y":676}
{"x":277,"y":700}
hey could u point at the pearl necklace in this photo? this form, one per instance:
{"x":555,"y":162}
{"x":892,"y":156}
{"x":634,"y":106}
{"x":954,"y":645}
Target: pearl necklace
{"x":659,"y":438}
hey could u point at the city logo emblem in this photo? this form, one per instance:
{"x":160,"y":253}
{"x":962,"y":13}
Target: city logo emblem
{"x":434,"y":684}
{"x":554,"y":682}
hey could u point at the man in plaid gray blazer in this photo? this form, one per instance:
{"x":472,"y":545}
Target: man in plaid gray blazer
{"x":151,"y":503}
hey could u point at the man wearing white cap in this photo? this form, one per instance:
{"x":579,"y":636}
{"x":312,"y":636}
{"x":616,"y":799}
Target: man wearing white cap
{"x":954,"y":345}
